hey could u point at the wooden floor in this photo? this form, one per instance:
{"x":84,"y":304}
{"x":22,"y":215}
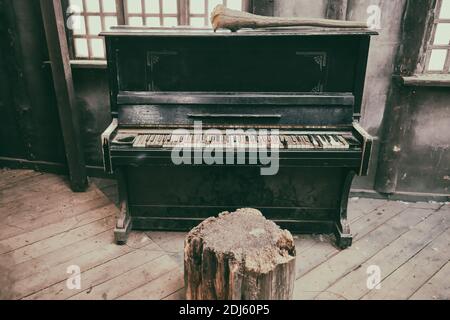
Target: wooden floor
{"x":45,"y":229}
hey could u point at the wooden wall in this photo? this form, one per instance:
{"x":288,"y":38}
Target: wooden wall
{"x":29,"y":128}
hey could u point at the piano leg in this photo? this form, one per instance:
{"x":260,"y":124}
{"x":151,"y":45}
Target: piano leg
{"x":342,"y":228}
{"x":123,"y":219}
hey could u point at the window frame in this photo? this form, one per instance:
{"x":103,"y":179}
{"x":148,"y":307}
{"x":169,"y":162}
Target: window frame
{"x":431,"y":46}
{"x":183,"y":15}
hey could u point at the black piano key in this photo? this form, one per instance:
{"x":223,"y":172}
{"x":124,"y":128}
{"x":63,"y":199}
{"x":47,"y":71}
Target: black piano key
{"x":318,"y":141}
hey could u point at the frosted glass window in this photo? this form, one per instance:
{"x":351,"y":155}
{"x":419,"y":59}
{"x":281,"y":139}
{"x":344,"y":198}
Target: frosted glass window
{"x":98,"y":48}
{"x":93,"y":6}
{"x":134,"y":6}
{"x":445,"y":10}
{"x":214,"y":3}
{"x":170,"y":6}
{"x":437,"y":60}
{"x":135,"y":21}
{"x":81,"y":48}
{"x":198,"y":22}
{"x":442,"y":34}
{"x":109,"y":6}
{"x":152,"y":6}
{"x":197,"y":6}
{"x":77,"y":3}
{"x":91,"y":17}
{"x":170,"y":22}
{"x":153,"y":22}
{"x":234,"y":4}
{"x":79,"y":26}
{"x":94,"y":25}
{"x":110,"y":22}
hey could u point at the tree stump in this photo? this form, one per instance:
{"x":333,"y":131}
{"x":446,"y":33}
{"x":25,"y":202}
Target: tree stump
{"x":239,"y":256}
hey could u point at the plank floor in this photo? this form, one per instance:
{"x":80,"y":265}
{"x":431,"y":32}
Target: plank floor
{"x":45,"y":230}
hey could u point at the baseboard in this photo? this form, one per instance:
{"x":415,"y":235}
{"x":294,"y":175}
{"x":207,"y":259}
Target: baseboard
{"x":98,"y":172}
{"x":39,"y":166}
{"x":50,"y":167}
{"x":401,"y":196}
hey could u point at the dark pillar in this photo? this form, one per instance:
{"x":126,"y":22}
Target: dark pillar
{"x":264,"y":7}
{"x":54,"y":23}
{"x":337,"y":9}
{"x":416,"y":27}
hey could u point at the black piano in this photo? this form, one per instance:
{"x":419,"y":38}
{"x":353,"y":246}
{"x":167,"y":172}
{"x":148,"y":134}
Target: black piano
{"x":291,"y":94}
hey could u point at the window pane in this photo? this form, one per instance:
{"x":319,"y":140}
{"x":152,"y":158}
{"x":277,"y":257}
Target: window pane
{"x":212,"y":4}
{"x":109,"y":6}
{"x":94,"y":25}
{"x":81,"y":48}
{"x":134,"y":6}
{"x":442,"y":34}
{"x":170,"y":22}
{"x":77,"y":4}
{"x":197,"y":6}
{"x":197,"y":22}
{"x":152,"y":6}
{"x":170,"y":6}
{"x":92,"y":6}
{"x":110,"y":22}
{"x":437,"y":60}
{"x":98,"y":48}
{"x":445,"y":10}
{"x":135,"y":21}
{"x":153,"y":22}
{"x":234,"y":4}
{"x":78,"y":27}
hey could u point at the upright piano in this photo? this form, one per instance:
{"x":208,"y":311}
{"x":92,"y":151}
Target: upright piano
{"x":304,"y":86}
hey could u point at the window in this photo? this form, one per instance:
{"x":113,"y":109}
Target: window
{"x":200,"y":10}
{"x":90,"y":17}
{"x":438,"y":55}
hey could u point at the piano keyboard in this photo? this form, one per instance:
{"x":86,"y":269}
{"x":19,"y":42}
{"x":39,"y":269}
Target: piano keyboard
{"x":284,"y":141}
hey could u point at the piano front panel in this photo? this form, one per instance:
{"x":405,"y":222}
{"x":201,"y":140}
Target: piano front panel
{"x":300,"y":194}
{"x":186,"y":115}
{"x":307,"y":64}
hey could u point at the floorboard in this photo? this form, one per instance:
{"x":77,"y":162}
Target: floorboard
{"x":45,"y":228}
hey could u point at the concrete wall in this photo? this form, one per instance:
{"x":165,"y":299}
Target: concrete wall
{"x":425,"y":158}
{"x":425,"y":161}
{"x":381,"y":58}
{"x":301,"y":8}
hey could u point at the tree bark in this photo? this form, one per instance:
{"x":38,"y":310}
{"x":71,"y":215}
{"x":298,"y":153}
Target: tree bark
{"x":239,"y":256}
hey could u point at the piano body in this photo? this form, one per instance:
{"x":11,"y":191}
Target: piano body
{"x":305,"y":83}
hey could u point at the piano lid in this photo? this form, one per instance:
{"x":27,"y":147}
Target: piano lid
{"x":179,"y":66}
{"x":186,"y":31}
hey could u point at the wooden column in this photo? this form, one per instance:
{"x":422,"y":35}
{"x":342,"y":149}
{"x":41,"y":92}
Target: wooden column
{"x":183,"y":12}
{"x":416,"y":28}
{"x":337,"y":9}
{"x":263,"y":7}
{"x":54,"y":24}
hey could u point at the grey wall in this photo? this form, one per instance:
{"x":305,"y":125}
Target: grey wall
{"x":425,"y":158}
{"x":381,"y":58}
{"x":92,"y":96}
{"x":31,"y":130}
{"x":301,"y":8}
